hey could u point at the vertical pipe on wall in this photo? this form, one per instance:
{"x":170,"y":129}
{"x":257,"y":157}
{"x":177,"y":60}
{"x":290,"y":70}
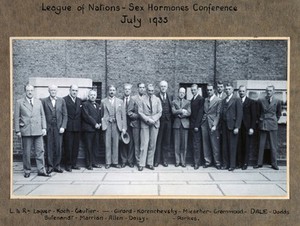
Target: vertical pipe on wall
{"x":106,"y":67}
{"x":215,"y":62}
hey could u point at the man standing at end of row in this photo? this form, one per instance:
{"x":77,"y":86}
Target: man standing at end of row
{"x":181,"y":108}
{"x":56,"y":117}
{"x":150,"y":111}
{"x":231,"y":118}
{"x":72,"y":133}
{"x":270,"y":112}
{"x":30,"y":126}
{"x":113,"y":123}
{"x":165,"y":129}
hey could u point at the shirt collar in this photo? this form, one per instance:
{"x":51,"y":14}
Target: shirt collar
{"x":29,"y":100}
{"x":53,"y":98}
{"x":228,"y":98}
{"x":212,"y":97}
{"x":243,"y":99}
{"x":73,"y":98}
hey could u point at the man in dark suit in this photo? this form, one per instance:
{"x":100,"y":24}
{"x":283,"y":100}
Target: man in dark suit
{"x":72,"y":132}
{"x":113,"y":123}
{"x":150,"y":111}
{"x":197,"y":105}
{"x":247,"y":129}
{"x":210,"y":129}
{"x":91,"y":124}
{"x":181,"y":109}
{"x":135,"y":121}
{"x":270,"y":112}
{"x":127,"y":150}
{"x":165,"y":129}
{"x":231,"y":118}
{"x":30,"y":127}
{"x":56,"y":118}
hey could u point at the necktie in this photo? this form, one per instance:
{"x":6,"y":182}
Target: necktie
{"x":180,"y":103}
{"x":269,"y":100}
{"x":95,"y":106}
{"x":31,"y":103}
{"x":208,"y":101}
{"x":150,"y":101}
{"x":126,"y":102}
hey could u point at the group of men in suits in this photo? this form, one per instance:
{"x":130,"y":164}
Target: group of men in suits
{"x":221,"y":127}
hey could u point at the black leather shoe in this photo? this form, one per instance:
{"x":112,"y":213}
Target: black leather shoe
{"x":193,"y":165}
{"x":176,"y":164}
{"x":244,"y":167}
{"x":58,"y":170}
{"x":140,"y":168}
{"x":26,"y":175}
{"x":96,"y":166}
{"x":224,"y":168}
{"x":165,"y":164}
{"x":76,"y":167}
{"x":230,"y":169}
{"x":68,"y":169}
{"x":89,"y":168}
{"x":50,"y":170}
{"x":44,"y":175}
{"x":206,"y":165}
{"x":196,"y":167}
{"x":150,"y":167}
{"x":183,"y":165}
{"x":117,"y":166}
{"x":123,"y":165}
{"x":107,"y":166}
{"x":156,"y":165}
{"x":131,"y":165}
{"x":257,"y":166}
{"x":218,"y":167}
{"x":275,"y":167}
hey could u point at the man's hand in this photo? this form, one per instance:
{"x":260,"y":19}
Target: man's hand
{"x":196,"y":129}
{"x":213,"y":128}
{"x":123,"y":131}
{"x":19,"y":135}
{"x":98,"y":125}
{"x":61,"y":130}
{"x":44,"y":132}
{"x":236,"y":131}
{"x":251,"y":131}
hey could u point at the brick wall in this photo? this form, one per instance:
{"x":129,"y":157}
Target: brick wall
{"x":149,"y":61}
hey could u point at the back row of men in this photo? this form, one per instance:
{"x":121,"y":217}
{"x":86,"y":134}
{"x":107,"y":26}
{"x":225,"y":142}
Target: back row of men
{"x":222,"y":126}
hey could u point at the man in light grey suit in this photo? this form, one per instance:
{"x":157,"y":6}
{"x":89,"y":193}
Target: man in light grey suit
{"x":30,"y":126}
{"x":135,"y":121}
{"x":210,"y":130}
{"x":181,"y":109}
{"x":150,"y":111}
{"x":56,"y":117}
{"x":113,"y":122}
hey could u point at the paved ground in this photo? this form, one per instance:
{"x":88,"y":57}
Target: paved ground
{"x":163,"y":181}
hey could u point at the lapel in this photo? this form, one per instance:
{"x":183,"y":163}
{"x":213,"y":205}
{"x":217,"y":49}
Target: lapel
{"x":108,"y":105}
{"x":27,"y":105}
{"x":92,"y":106}
{"x":271,"y":104}
{"x":49,"y":103}
{"x":148,"y":103}
{"x":213,"y":102}
{"x":230,"y":102}
{"x":246,"y":102}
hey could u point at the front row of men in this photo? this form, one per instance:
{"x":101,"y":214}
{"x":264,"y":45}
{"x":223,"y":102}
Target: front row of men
{"x":221,"y":127}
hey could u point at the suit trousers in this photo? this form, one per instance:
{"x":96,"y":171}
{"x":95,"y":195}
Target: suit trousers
{"x":148,"y":144}
{"x":71,"y":147}
{"x":112,"y":137}
{"x":244,"y":146}
{"x":37,"y":142}
{"x":91,"y":143}
{"x":211,"y":145}
{"x":197,"y":146}
{"x":272,"y":135}
{"x":180,"y":144}
{"x":163,"y":141}
{"x":127,"y":150}
{"x":229,"y":147}
{"x":53,"y":147}
{"x":136,"y":133}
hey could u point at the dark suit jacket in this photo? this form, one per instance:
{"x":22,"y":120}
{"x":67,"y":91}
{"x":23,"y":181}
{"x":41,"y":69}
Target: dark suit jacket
{"x":29,"y":120}
{"x":74,"y":114}
{"x":269,"y":114}
{"x":169,"y":99}
{"x":197,"y":107}
{"x":232,"y":116}
{"x":249,"y":113}
{"x":90,"y":116}
{"x":61,"y":112}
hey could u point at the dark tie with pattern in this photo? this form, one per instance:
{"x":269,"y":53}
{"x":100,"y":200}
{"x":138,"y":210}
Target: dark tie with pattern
{"x":31,"y":103}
